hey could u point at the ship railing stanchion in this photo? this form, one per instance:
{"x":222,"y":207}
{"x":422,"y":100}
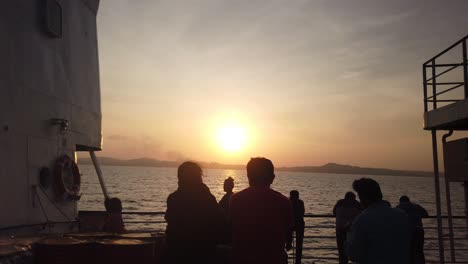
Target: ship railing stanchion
{"x":99,"y":173}
{"x":437,"y":193}
{"x":465,"y":184}
{"x":449,"y":200}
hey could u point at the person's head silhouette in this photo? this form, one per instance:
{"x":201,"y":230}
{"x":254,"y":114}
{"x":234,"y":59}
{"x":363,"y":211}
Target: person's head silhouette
{"x":350,"y":196}
{"x":228,"y":185}
{"x":113,"y":205}
{"x":368,"y":191}
{"x":294,"y":195}
{"x":404,"y":199}
{"x":189,"y":174}
{"x":260,"y":172}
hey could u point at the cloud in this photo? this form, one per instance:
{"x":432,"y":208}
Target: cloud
{"x":116,"y":137}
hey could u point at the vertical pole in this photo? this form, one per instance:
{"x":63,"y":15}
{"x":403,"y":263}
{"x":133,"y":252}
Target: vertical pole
{"x":465,"y":67}
{"x":466,"y":202}
{"x":437,"y":193}
{"x":99,"y":173}
{"x":425,"y":87}
{"x":434,"y":86}
{"x":294,"y":248}
{"x":449,"y":200}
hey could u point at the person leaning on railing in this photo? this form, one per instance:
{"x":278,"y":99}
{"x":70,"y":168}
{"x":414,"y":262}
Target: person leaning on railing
{"x":299,"y":224}
{"x":415,"y":213}
{"x":345,"y":211}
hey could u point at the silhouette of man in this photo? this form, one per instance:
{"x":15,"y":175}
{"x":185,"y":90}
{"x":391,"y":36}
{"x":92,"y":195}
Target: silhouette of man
{"x":380,"y":234}
{"x":298,"y":211}
{"x":345,"y":212}
{"x":415,"y":213}
{"x":261,"y":218}
{"x":228,"y":187}
{"x":195,"y":222}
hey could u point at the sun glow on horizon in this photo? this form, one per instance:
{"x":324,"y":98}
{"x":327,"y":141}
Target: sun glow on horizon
{"x":232,"y":138}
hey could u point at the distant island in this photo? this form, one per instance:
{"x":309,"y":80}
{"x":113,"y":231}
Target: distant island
{"x":327,"y":168}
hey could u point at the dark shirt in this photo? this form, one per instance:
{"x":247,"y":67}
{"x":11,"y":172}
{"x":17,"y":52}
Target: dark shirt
{"x":261,"y":220}
{"x":345,"y":212}
{"x":380,"y":234}
{"x":114,"y":223}
{"x":298,"y":212}
{"x":224,"y":202}
{"x":195,"y":225}
{"x":415,"y":213}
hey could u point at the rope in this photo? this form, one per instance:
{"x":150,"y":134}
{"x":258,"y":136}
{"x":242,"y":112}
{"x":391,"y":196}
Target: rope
{"x":42,"y":207}
{"x":55,"y":205}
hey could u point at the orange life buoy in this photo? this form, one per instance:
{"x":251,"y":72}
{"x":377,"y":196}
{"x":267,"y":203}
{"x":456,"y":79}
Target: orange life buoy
{"x":67,"y":187}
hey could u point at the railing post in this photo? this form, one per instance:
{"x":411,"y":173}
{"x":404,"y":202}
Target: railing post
{"x":437,"y":193}
{"x":465,"y":185}
{"x":425,"y":87}
{"x":448,"y":199}
{"x":434,"y":86}
{"x":465,"y":67}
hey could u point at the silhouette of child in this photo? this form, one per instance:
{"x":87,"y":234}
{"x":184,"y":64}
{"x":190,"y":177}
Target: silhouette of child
{"x":114,"y":222}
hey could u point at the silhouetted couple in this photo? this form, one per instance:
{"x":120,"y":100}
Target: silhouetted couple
{"x":381,"y":234}
{"x":260,"y":219}
{"x":378,"y":234}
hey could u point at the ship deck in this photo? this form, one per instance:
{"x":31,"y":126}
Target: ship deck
{"x":449,"y":117}
{"x":319,"y":239}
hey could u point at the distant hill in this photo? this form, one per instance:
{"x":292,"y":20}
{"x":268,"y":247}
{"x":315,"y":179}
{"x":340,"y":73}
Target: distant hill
{"x":347,"y":169}
{"x":327,"y":168}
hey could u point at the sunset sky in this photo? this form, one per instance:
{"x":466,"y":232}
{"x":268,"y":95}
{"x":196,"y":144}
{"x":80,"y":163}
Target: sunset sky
{"x":306,"y":81}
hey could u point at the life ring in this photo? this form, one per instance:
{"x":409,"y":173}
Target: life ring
{"x":67,"y":188}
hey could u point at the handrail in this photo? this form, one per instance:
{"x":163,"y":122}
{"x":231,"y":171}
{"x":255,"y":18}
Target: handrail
{"x":444,"y":91}
{"x":442,"y":73}
{"x":306,"y":215}
{"x":430,"y":84}
{"x":447,"y":49}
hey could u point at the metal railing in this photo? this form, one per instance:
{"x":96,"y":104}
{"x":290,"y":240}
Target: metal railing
{"x":321,"y":232}
{"x":438,"y":70}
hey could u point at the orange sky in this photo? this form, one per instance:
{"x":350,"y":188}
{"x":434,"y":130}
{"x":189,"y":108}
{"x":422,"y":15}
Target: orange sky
{"x":310,"y":81}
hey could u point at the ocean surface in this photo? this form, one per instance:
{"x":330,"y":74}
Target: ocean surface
{"x":146,"y":189}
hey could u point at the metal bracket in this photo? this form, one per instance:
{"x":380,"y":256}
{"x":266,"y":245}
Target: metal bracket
{"x":63,"y":123}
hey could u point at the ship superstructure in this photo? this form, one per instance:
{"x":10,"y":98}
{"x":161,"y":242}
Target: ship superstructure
{"x":50,"y":108}
{"x":445,"y":83}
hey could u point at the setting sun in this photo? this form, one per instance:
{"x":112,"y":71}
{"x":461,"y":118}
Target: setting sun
{"x":231,"y":138}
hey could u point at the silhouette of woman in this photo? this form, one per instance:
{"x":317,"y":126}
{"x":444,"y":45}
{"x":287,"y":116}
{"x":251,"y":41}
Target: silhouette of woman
{"x":195,"y":223}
